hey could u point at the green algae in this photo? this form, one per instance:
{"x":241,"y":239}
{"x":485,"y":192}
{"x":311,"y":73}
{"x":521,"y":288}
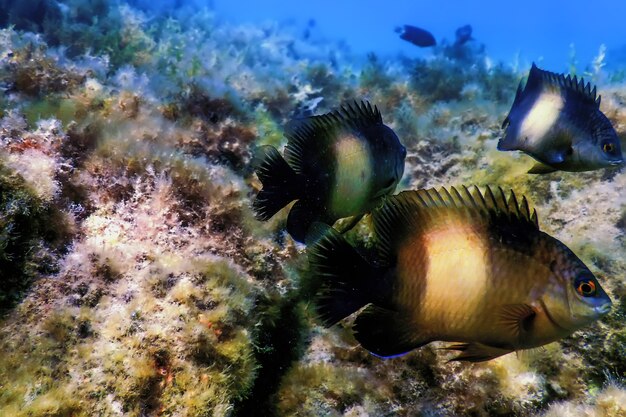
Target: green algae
{"x":63,"y":110}
{"x":268,"y":131}
{"x":173,"y":300}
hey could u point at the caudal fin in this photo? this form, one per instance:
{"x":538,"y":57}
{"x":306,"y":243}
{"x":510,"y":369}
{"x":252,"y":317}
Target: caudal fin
{"x":348,"y":282}
{"x":281,"y":184}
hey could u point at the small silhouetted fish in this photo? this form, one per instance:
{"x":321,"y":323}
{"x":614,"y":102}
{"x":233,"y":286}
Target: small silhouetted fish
{"x":458,"y":266}
{"x":307,"y":30}
{"x":557,"y":120}
{"x":416,"y":36}
{"x":463,"y":34}
{"x":337,"y":165}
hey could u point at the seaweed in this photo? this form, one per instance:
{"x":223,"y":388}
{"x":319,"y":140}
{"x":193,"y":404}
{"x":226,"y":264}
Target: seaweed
{"x":29,"y":232}
{"x":135,"y":279}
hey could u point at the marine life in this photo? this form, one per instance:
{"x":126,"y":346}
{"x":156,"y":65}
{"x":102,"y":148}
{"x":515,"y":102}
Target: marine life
{"x":557,"y":120}
{"x":463,"y":35}
{"x":336,"y":165}
{"x":134,"y":278}
{"x":460,"y":266}
{"x":416,"y":36}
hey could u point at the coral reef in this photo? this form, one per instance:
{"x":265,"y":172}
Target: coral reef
{"x":135,"y":280}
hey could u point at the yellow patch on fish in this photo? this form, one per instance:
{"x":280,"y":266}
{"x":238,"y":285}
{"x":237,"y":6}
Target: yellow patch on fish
{"x":353,"y":174}
{"x":456,"y":270}
{"x":541,"y":117}
{"x":457,"y":267}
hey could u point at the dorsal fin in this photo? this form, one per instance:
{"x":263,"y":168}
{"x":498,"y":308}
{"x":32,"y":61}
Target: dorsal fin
{"x":540,"y":79}
{"x":304,"y":135}
{"x":410,"y":211}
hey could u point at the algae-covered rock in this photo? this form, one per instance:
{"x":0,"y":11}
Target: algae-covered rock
{"x":135,"y":279}
{"x":29,"y":232}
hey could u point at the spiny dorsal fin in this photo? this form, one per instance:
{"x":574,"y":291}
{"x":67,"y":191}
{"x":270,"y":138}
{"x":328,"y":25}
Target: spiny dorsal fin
{"x":477,"y":200}
{"x":539,"y":78}
{"x":410,"y":210}
{"x":308,"y":132}
{"x":360,"y":115}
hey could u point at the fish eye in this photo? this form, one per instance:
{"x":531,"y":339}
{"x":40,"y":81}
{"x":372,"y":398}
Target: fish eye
{"x":608,"y":147}
{"x":586,"y":287}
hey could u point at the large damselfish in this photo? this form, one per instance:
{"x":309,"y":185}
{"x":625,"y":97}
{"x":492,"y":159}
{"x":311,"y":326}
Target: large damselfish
{"x":336,"y":165}
{"x":457,"y":266}
{"x":557,"y":120}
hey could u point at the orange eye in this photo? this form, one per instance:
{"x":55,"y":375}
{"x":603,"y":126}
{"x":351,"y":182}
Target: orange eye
{"x":608,"y":147}
{"x":586,"y":288}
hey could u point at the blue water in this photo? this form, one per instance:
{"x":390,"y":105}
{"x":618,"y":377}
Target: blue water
{"x":535,"y":30}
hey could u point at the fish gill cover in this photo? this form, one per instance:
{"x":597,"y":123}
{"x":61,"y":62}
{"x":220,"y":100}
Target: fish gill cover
{"x":135,"y":279}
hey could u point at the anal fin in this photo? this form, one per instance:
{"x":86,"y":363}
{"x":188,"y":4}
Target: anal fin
{"x":387,"y":333}
{"x":476,"y":352}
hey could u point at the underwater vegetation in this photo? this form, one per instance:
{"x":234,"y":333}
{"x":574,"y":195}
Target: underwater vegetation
{"x":135,"y":279}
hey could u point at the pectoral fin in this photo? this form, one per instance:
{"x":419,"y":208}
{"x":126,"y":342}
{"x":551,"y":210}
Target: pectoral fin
{"x":555,"y":156}
{"x":517,"y":320}
{"x":540,"y":168}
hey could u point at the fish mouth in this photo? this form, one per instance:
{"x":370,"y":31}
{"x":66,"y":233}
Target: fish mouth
{"x":603,"y":309}
{"x":616,"y":163}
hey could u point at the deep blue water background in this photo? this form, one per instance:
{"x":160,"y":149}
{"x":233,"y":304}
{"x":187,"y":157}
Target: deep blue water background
{"x":537,"y":30}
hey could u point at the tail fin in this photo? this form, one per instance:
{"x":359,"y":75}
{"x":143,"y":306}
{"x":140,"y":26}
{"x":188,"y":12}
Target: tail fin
{"x":349,"y":281}
{"x":281,"y":184}
{"x":301,"y":216}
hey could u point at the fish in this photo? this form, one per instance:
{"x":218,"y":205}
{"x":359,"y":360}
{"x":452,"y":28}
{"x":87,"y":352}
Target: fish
{"x":556,"y":119}
{"x":463,"y":35}
{"x":311,"y":23}
{"x":416,"y":36}
{"x":457,"y":265}
{"x":336,"y":165}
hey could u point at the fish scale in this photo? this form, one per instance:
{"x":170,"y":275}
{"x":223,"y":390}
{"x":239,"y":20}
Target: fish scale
{"x":456,"y":265}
